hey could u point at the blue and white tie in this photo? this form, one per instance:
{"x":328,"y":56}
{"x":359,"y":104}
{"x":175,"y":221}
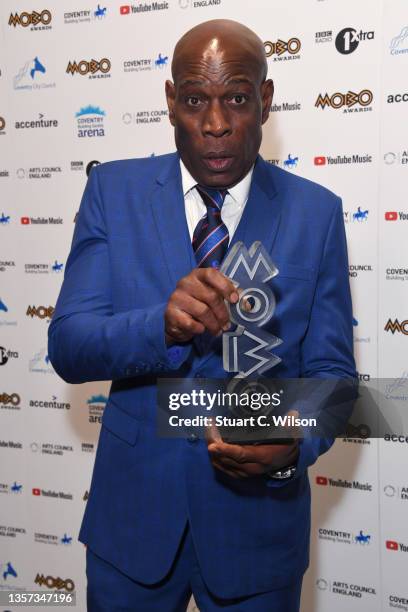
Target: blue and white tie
{"x":210,"y":238}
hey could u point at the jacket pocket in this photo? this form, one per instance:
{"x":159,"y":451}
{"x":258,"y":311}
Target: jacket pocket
{"x":120,"y":424}
{"x":287,"y":270}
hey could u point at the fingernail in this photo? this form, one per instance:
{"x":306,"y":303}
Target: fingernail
{"x":227,"y":326}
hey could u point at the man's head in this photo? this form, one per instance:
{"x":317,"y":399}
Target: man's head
{"x":219,"y":100}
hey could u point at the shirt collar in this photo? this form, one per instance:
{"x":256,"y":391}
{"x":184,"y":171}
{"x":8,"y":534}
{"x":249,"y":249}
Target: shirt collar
{"x":239,"y":192}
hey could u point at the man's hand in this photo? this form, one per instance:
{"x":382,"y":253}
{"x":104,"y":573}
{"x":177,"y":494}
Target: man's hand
{"x":197,"y":304}
{"x":243,"y":461}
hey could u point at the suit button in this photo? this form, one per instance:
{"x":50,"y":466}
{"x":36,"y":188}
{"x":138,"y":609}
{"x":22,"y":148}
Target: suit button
{"x":192,"y":438}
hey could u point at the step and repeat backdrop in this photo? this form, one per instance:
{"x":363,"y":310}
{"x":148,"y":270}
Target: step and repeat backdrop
{"x":82,"y":83}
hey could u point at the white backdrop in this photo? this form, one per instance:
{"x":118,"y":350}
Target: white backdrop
{"x":80,"y":83}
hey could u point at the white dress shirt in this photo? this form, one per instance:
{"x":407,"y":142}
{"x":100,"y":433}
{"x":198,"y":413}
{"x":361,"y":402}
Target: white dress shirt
{"x":232,"y":208}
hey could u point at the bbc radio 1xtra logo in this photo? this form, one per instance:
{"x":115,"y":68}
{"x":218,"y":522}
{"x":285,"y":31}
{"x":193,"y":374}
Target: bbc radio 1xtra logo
{"x":349,"y":102}
{"x":349,"y":39}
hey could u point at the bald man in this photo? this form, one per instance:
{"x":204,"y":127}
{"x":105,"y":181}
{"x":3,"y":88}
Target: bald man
{"x":143,"y":298}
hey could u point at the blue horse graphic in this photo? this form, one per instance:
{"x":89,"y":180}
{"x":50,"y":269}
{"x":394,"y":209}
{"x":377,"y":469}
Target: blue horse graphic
{"x":161,"y":61}
{"x":360,"y":215}
{"x":10,"y":571}
{"x":38,"y":67}
{"x":66,"y":539}
{"x":3,"y":306}
{"x":362,"y":539}
{"x":4,"y":218}
{"x":57,"y":267}
{"x":291,"y":162}
{"x":100,"y":12}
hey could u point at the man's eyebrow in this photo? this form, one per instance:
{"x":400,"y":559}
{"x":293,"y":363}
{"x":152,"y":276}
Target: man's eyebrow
{"x":186,"y":82}
{"x":237,"y":81}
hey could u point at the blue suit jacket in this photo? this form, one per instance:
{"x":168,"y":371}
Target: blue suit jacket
{"x":131,"y":245}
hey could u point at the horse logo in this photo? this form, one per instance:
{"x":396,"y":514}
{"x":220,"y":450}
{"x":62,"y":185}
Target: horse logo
{"x":360,"y":215}
{"x":161,"y":61}
{"x":362,"y":539}
{"x":4,"y":219}
{"x":38,"y":67}
{"x":100,"y":13}
{"x":291,"y":162}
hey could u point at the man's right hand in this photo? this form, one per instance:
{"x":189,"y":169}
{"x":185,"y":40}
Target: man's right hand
{"x":197,"y":304}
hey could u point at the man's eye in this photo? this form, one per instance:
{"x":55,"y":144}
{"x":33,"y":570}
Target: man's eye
{"x":192,"y":101}
{"x":238,"y":99}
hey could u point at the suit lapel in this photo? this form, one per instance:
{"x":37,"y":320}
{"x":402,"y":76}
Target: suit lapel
{"x":168,"y":209}
{"x":261,"y":217}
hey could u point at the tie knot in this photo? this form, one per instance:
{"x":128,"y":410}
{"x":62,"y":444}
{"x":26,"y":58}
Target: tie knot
{"x":213,"y":198}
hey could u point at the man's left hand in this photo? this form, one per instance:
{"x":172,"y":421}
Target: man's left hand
{"x":243,"y":461}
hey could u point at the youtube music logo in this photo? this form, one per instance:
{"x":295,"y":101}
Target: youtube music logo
{"x":320,"y":161}
{"x":391,"y":215}
{"x":36,"y":491}
{"x":321,"y":480}
{"x":391,"y":545}
{"x":125,"y":9}
{"x":25,"y":220}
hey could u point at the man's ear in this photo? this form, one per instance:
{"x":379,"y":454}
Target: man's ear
{"x":267,"y":97}
{"x":170,"y":96}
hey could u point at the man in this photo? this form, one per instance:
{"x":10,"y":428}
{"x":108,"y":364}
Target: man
{"x":142,"y":297}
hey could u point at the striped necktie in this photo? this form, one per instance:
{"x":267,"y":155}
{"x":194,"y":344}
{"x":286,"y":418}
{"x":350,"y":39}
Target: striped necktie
{"x":210,"y":238}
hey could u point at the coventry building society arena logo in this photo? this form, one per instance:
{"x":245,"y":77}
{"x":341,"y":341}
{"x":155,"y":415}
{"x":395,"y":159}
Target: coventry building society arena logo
{"x":34,"y":20}
{"x":353,"y":102}
{"x":90,"y":122}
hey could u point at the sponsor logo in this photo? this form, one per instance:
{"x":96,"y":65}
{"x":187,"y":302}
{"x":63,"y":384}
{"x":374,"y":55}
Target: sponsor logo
{"x":33,"y":20}
{"x":399,"y":44}
{"x":90,"y":165}
{"x":7,"y":321}
{"x":54,"y":540}
{"x":397,"y":327}
{"x":400,"y":493}
{"x":46,"y":172}
{"x":395,"y":601}
{"x":391,"y":215}
{"x":2,"y":126}
{"x":143,"y":7}
{"x":77,"y":166}
{"x":7,"y":571}
{"x":345,"y":589}
{"x":41,"y":312}
{"x":10,"y":401}
{"x":324,"y":37}
{"x":348,"y":39}
{"x":41,"y":363}
{"x":90,"y":122}
{"x":31,"y":76}
{"x":284,"y":107}
{"x":282,"y":50}
{"x":184,"y":4}
{"x":358,"y":216}
{"x":4,"y":173}
{"x":343,"y":537}
{"x":6,"y":355}
{"x":356,"y":269}
{"x":11,"y":489}
{"x":396,"y":390}
{"x":146,"y":64}
{"x":86,"y":15}
{"x":11,"y":444}
{"x":7,"y":531}
{"x":399,"y":274}
{"x":397,"y":98}
{"x":53,"y":403}
{"x":42,"y":268}
{"x":391,"y":158}
{"x":144,"y":117}
{"x":37,"y":492}
{"x":342,"y":160}
{"x":4,"y":219}
{"x":355,"y":485}
{"x":41,"y":220}
{"x":353,"y":102}
{"x":55,"y":583}
{"x":396,"y":546}
{"x":93,"y":69}
{"x":290,"y":162}
{"x":96,"y":406}
{"x":87,"y":447}
{"x":36,"y":123}
{"x":47,"y":448}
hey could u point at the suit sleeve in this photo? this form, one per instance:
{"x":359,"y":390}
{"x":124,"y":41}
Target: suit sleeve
{"x":86,"y":340}
{"x":327,"y":348}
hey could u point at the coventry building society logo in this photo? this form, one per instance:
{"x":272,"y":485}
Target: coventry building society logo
{"x":93,"y":69}
{"x":143,"y":64}
{"x":90,"y":122}
{"x":86,"y":15}
{"x":33,"y":20}
{"x":399,"y":44}
{"x":29,"y":77}
{"x":283,"y":50}
{"x":348,"y":39}
{"x":354,"y":102}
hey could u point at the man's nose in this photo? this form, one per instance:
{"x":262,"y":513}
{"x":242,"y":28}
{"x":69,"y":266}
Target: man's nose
{"x":216,"y":121}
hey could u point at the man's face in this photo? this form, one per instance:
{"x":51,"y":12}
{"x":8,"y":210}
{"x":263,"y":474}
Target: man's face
{"x":217,"y":107}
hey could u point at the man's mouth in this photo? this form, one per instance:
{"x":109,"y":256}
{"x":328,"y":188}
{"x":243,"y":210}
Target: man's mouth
{"x":218,"y":162}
